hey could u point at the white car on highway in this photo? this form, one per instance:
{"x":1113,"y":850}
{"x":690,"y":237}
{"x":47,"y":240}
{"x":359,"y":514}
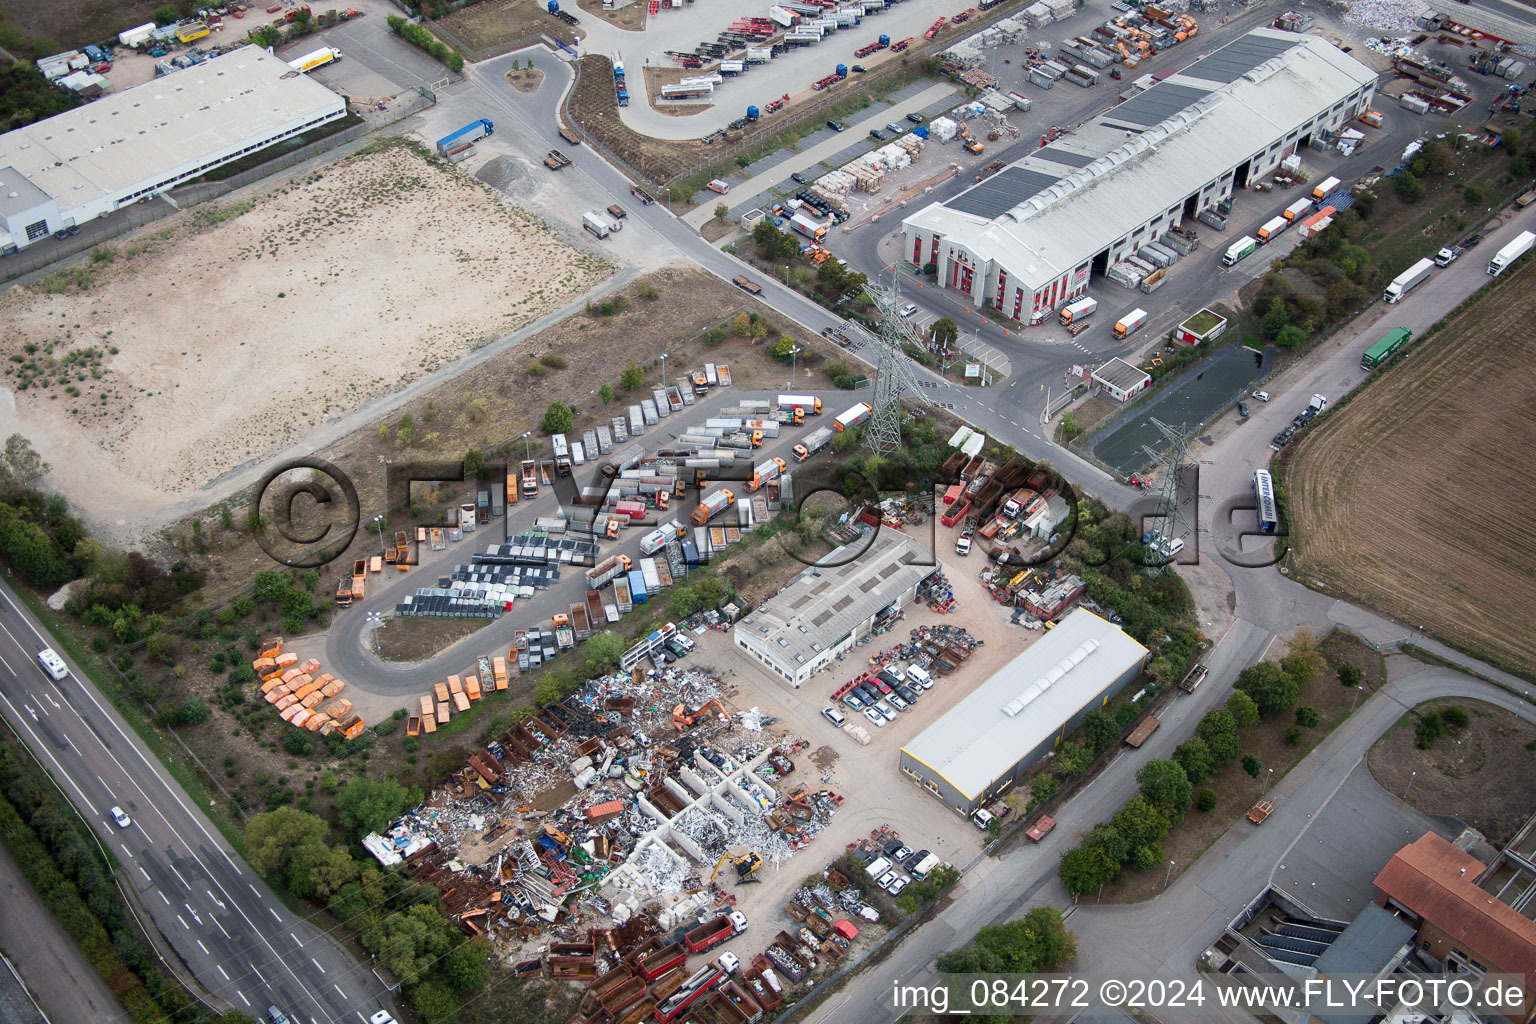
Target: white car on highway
{"x":122,"y":819}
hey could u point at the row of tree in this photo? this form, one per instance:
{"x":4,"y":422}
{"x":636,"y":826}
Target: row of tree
{"x":1134,"y":835}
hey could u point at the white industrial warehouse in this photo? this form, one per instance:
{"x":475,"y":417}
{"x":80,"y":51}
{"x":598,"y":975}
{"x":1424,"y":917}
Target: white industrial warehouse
{"x":826,"y":608}
{"x":85,"y":163}
{"x":1026,"y":240}
{"x":986,"y":743}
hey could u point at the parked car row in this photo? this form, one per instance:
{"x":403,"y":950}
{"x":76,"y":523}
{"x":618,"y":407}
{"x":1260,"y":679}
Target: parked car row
{"x":895,"y":866}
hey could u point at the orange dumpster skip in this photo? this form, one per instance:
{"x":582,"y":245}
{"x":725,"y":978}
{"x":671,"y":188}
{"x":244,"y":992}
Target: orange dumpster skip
{"x":460,"y":702}
{"x":413,"y":725}
{"x":442,"y":712}
{"x":284,"y":660}
{"x":287,"y":701}
{"x":338,"y":708}
{"x":271,"y":684}
{"x":455,"y":684}
{"x":262,"y":666}
{"x":376,"y":563}
{"x":353,"y":730}
{"x":428,"y":724}
{"x":426,"y":707}
{"x":316,"y":721}
{"x":312,"y":700}
{"x":303,"y":715}
{"x":441,"y":689}
{"x":333,"y":687}
{"x":308,"y":666}
{"x":290,"y":711}
{"x":289,"y":675}
{"x":472,"y":687}
{"x":500,"y":666}
{"x":271,"y":647}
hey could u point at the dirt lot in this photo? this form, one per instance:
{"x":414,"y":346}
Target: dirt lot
{"x":631,"y":18}
{"x":77,"y":22}
{"x":525,"y":80}
{"x":1236,"y":790}
{"x":147,"y":372}
{"x":594,"y":106}
{"x":488,"y":26}
{"x":1481,"y":774}
{"x":1441,"y":559}
{"x":411,"y":639}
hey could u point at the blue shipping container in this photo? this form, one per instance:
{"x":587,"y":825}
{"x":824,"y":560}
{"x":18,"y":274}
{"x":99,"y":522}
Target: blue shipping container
{"x":637,"y":586}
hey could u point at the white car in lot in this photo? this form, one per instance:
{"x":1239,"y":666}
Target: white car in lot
{"x":910,"y":309}
{"x":123,"y":821}
{"x":1261,"y":396}
{"x":875,"y":716}
{"x":886,"y":710}
{"x":898,"y":703}
{"x":833,"y":715}
{"x":897,"y":884}
{"x":886,"y":879}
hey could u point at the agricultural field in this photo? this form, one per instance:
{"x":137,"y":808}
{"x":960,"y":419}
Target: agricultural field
{"x":71,"y":25}
{"x":150,"y":371}
{"x":1408,"y":498}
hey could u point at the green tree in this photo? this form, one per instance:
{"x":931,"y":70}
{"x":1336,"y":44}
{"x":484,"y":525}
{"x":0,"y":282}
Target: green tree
{"x":1219,"y":731}
{"x":1472,"y":196}
{"x":268,"y":36}
{"x":741,"y":325}
{"x":1165,"y":784}
{"x":1242,"y":708}
{"x":1274,"y":319}
{"x":369,"y":805}
{"x":603,"y":651}
{"x":1350,"y":675}
{"x":1085,"y":868}
{"x":1429,"y":728}
{"x":1272,"y":688}
{"x":1100,"y":730}
{"x":435,"y":1003}
{"x":1073,"y":758}
{"x":1252,"y":765}
{"x":1455,"y":717}
{"x":1206,"y":801}
{"x":1147,"y":856}
{"x":475,"y":464}
{"x":1141,"y":821}
{"x":632,"y":377}
{"x":1293,"y":736}
{"x":1291,"y":337}
{"x":721,"y":211}
{"x":167,"y":14}
{"x":194,"y":711}
{"x":1044,"y":787}
{"x":1306,"y":716}
{"x":558,"y":418}
{"x":1408,"y":186}
{"x":272,"y":837}
{"x":783,"y":349}
{"x":21,"y":468}
{"x":1194,"y":756}
{"x":944,"y":332}
{"x":605,"y":393}
{"x":467,"y":968}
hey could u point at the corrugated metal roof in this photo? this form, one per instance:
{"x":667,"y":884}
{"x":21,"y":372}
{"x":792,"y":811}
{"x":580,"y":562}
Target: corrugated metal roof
{"x":1061,"y":155}
{"x":1156,"y":105}
{"x":1028,"y":699}
{"x":1003,"y":191}
{"x":1237,"y":58}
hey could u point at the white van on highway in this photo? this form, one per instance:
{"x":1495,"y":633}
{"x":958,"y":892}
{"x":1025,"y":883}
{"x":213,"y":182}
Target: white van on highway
{"x":52,"y":663}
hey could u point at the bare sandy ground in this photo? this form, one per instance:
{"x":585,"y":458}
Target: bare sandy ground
{"x":231,"y":339}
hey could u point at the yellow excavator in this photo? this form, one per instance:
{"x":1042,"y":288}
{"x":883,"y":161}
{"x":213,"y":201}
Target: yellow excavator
{"x":746,"y":867}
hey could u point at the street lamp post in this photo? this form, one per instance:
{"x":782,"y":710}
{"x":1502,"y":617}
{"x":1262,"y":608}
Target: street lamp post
{"x":1168,"y":875}
{"x":786,"y":277}
{"x":794,"y":359}
{"x":378,"y":521}
{"x":1267,"y":780}
{"x":663,"y":369}
{"x":1356,"y":699}
{"x":1409,"y":787}
{"x":527,"y":445}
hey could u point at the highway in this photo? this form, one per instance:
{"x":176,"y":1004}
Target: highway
{"x":220,"y":922}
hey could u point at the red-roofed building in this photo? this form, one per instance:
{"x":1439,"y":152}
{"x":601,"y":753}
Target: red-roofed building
{"x":1433,"y":885}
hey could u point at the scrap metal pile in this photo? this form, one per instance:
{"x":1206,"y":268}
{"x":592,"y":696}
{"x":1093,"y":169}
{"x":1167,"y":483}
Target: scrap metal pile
{"x":635,"y":770}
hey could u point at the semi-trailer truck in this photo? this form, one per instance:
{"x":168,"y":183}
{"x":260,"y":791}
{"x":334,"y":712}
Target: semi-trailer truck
{"x":599,"y":575}
{"x":1078,"y":311}
{"x":1408,"y":280}
{"x":1239,"y":249}
{"x":813,"y":443}
{"x":853,"y":417}
{"x":470,"y":133}
{"x":1324,"y":187}
{"x":808,"y":227}
{"x":316,"y":59}
{"x":1505,"y":257}
{"x":766,"y":471}
{"x":1129,"y":324}
{"x":1271,"y":228}
{"x":713,"y":506}
{"x":807,"y":404}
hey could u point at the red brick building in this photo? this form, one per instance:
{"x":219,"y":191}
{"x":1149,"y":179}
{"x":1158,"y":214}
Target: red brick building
{"x":1434,"y":886}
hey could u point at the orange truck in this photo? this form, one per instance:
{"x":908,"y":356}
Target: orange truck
{"x":359,"y":578}
{"x":344,"y":592}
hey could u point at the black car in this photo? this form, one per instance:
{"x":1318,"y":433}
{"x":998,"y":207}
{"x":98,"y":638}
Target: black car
{"x":857,"y":69}
{"x":877,"y":134}
{"x":1242,"y":409}
{"x":797,"y":178}
{"x":915,"y":118}
{"x":837,"y":126}
{"x":1279,"y":441}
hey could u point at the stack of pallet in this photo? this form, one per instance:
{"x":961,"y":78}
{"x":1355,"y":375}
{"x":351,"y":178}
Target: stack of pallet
{"x":293,"y":688}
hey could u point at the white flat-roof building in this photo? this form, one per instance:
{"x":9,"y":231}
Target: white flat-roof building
{"x":1120,"y":380}
{"x":820,"y":614}
{"x":85,"y":163}
{"x":984,"y":744}
{"x":1027,"y":239}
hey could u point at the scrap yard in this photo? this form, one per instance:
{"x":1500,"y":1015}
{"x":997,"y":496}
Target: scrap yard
{"x":605,"y":838}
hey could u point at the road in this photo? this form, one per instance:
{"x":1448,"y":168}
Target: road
{"x":220,"y":922}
